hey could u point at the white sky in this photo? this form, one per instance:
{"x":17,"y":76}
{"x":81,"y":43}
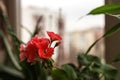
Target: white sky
{"x":73,"y":10}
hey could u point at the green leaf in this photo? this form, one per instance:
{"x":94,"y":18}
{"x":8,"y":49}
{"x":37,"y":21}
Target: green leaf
{"x":112,"y":30}
{"x":109,"y":72}
{"x":59,"y":74}
{"x":108,"y":33}
{"x":71,"y":74}
{"x":86,"y":60}
{"x":115,"y":15}
{"x":82,"y":60}
{"x":9,"y":28}
{"x":43,"y":74}
{"x":5,"y":19}
{"x":11,"y":71}
{"x":15,"y":38}
{"x":88,"y":50}
{"x":9,"y":51}
{"x":106,"y":9}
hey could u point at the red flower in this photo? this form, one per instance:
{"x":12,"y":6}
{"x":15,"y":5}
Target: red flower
{"x":39,"y":48}
{"x":36,"y":48}
{"x":54,"y":36}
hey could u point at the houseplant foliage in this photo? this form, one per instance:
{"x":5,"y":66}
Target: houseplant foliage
{"x":39,"y":66}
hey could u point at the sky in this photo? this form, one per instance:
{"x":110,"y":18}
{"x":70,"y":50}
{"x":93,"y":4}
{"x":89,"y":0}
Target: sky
{"x":73,"y":10}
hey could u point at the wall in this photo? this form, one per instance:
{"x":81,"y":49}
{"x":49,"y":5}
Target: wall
{"x":112,"y":43}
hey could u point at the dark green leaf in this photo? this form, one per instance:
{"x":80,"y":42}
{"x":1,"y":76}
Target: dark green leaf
{"x":11,"y":71}
{"x":82,"y":60}
{"x":108,"y":33}
{"x":86,"y":60}
{"x":15,"y":38}
{"x":88,"y":50}
{"x":70,"y":72}
{"x":109,"y":72}
{"x":106,"y":9}
{"x":9,"y":51}
{"x":43,"y":74}
{"x":5,"y":20}
{"x":9,"y":28}
{"x":112,"y":30}
{"x":58,"y":74}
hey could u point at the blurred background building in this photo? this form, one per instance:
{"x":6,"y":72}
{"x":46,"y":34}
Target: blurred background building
{"x":80,"y":41}
{"x":30,"y":16}
{"x":50,"y":21}
{"x":74,"y":42}
{"x":64,"y":20}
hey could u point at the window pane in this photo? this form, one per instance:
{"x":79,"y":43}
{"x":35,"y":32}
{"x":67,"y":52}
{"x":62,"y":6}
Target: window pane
{"x":67,"y":17}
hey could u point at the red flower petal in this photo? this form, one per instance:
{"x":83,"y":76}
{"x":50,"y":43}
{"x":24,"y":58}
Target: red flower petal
{"x":54,"y":36}
{"x":31,"y":51}
{"x":22,"y":52}
{"x":46,"y":54}
{"x":44,"y":42}
{"x":40,"y":41}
